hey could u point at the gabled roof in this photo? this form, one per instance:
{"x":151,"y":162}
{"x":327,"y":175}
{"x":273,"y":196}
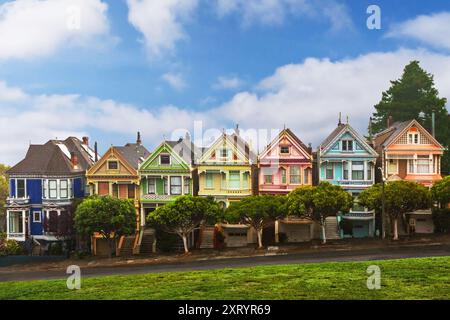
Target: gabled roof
{"x":53,"y":158}
{"x":184,"y":150}
{"x":390,"y":135}
{"x":133,"y":153}
{"x":234,"y":139}
{"x":289,"y":133}
{"x":338,"y":132}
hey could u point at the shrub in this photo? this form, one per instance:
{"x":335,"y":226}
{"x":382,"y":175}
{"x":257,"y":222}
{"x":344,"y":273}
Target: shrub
{"x":441,"y":219}
{"x":166,"y":242}
{"x":10,"y":247}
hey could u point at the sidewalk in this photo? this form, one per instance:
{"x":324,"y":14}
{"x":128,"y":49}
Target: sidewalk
{"x":209,"y":254}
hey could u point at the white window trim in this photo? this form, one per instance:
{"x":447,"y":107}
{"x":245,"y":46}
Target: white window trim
{"x":353,"y":145}
{"x":412,"y":140}
{"x":387,"y":166}
{"x":40,"y":216}
{"x":430,"y":166}
{"x":25,"y":187}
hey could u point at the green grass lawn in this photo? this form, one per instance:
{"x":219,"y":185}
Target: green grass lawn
{"x":427,"y":278}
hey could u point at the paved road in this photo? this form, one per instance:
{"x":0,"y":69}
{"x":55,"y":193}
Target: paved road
{"x":334,"y":256}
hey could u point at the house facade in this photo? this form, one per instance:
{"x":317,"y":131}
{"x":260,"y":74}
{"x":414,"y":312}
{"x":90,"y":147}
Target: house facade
{"x":409,"y":152}
{"x":167,"y":174}
{"x":346,"y":159}
{"x":226,"y":170}
{"x":116,"y":175}
{"x":284,"y":165}
{"x":43,"y":187}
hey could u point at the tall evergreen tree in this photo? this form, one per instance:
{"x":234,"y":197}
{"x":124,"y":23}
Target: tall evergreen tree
{"x":414,"y":96}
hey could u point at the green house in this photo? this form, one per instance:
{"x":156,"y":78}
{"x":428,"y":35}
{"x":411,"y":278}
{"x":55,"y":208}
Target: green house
{"x":167,"y":174}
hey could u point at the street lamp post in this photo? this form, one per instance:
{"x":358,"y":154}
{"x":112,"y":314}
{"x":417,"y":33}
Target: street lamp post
{"x":383,"y":206}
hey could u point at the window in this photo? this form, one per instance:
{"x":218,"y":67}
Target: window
{"x":295,"y":175}
{"x":64,"y":189}
{"x":268,"y":179}
{"x":235,"y":180}
{"x":209,"y":180}
{"x":21,"y":188}
{"x":329,"y":171}
{"x":164,"y":159}
{"x":151,"y":186}
{"x":131,"y":191}
{"x":392,"y":166}
{"x":166,"y":187}
{"x":36,"y":216}
{"x":306,"y":176}
{"x":224,"y":153}
{"x":44,"y":189}
{"x":245,"y":178}
{"x":347,"y":145}
{"x":284,"y":149}
{"x":187,"y":186}
{"x":413,"y":138}
{"x":283,"y":175}
{"x":423,"y":164}
{"x":369,"y":171}
{"x":357,"y":170}
{"x":175,"y":185}
{"x":53,"y":189}
{"x":113,"y":165}
{"x":15,"y":222}
{"x":345,"y":165}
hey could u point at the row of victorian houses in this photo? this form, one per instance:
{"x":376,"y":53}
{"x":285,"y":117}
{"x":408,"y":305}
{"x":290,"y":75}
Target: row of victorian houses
{"x":45,"y":184}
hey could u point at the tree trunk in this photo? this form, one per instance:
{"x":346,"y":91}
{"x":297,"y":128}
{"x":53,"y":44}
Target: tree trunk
{"x":186,"y":249}
{"x":259,"y":234}
{"x":110,"y":246}
{"x":324,"y":237}
{"x":396,"y":229}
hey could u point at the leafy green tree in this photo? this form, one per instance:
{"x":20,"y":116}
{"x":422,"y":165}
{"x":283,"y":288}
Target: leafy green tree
{"x":414,"y":96}
{"x":440,"y":192}
{"x":108,"y":216}
{"x":400,"y":197}
{"x":184,"y":215}
{"x":319,"y":202}
{"x":329,"y":200}
{"x":4,"y":192}
{"x":257,"y":212}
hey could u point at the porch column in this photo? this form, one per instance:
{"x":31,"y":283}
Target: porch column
{"x":277,"y":226}
{"x":23,"y":222}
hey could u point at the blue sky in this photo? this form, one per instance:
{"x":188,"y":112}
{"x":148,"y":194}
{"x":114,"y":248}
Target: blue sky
{"x":259,"y":63}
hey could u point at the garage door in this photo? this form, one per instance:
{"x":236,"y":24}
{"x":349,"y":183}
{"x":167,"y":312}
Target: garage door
{"x":424,"y":225}
{"x":298,"y":232}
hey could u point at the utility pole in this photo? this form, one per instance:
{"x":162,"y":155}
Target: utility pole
{"x":383,"y":205}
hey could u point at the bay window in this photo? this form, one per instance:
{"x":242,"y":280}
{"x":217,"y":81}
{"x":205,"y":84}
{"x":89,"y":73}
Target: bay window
{"x":423,"y":164}
{"x":283,"y":175}
{"x":329,"y":171}
{"x":175,"y":185}
{"x":52,"y":189}
{"x":209,"y":180}
{"x":294,"y":175}
{"x":187,"y":186}
{"x":235,"y":180}
{"x":64,"y":189}
{"x":151,"y":186}
{"x":357,"y":170}
{"x":21,"y":188}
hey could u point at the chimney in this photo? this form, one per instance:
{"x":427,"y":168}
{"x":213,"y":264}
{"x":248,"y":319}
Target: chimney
{"x":236,"y":130}
{"x":138,"y":140}
{"x":310,"y":148}
{"x":86,"y":141}
{"x":74,"y":160}
{"x":390,"y":121}
{"x":96,"y":151}
{"x":187,"y":137}
{"x":340,"y":116}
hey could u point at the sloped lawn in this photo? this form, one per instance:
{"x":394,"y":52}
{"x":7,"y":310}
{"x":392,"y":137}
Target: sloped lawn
{"x":427,"y":278}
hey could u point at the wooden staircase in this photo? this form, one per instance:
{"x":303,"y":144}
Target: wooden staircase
{"x":332,"y":228}
{"x":126,"y":249}
{"x":207,"y":237}
{"x":148,"y":238}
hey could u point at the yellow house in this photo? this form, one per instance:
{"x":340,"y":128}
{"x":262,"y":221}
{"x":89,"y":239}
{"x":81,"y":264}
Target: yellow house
{"x":226,"y":169}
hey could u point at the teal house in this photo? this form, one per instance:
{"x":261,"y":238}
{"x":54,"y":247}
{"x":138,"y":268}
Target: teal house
{"x":346,"y":158}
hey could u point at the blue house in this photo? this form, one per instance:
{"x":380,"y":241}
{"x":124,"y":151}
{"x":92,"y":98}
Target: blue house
{"x":346,"y":159}
{"x":43,"y":187}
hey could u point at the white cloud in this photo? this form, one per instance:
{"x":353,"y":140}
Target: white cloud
{"x":306,"y":96}
{"x":228,"y":83}
{"x":32,"y":28}
{"x":160,"y":22}
{"x":274,"y":12}
{"x":175,"y":80}
{"x":429,"y":29}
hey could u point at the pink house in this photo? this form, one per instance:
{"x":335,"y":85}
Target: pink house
{"x":284,"y":165}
